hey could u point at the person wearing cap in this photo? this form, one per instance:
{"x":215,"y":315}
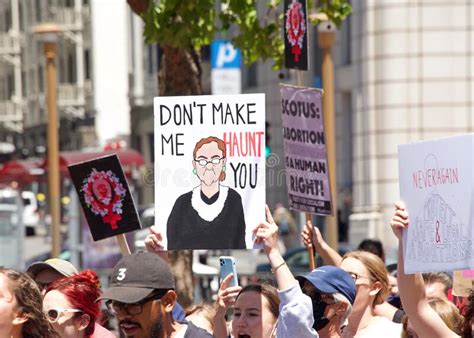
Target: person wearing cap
{"x":51,"y":270}
{"x":142,"y":296}
{"x":44,"y":273}
{"x":332,"y":292}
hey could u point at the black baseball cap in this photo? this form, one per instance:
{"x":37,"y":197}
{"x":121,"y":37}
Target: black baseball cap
{"x":136,"y":276}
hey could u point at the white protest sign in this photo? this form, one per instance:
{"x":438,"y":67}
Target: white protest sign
{"x":209,"y":170}
{"x":436,"y":181}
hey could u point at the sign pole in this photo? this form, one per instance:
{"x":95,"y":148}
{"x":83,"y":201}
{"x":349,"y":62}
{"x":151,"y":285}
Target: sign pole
{"x":122,"y":242}
{"x":309,"y":216}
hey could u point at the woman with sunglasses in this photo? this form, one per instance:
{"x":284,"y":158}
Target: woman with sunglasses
{"x":371,"y":280}
{"x":20,"y":307}
{"x":70,"y":304}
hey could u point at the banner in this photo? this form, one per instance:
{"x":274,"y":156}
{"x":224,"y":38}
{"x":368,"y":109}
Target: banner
{"x":209,"y":170}
{"x":307,"y":170}
{"x":436,"y":181}
{"x":105,"y":197}
{"x":296,"y":34}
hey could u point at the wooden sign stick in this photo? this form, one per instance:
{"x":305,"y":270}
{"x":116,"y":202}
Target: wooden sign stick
{"x":122,"y":242}
{"x":312,"y":263}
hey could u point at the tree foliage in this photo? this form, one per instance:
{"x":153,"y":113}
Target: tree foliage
{"x":192,"y":24}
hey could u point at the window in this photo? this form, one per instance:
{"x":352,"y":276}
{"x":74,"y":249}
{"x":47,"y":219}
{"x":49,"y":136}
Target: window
{"x":87,"y":64}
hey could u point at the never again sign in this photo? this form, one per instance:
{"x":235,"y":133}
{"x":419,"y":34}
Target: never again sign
{"x":210,"y":169}
{"x":436,"y":186}
{"x":307,"y":171}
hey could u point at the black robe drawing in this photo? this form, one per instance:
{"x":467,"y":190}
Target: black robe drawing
{"x":198,"y":222}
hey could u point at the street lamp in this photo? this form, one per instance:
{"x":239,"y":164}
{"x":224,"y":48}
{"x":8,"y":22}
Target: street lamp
{"x":326,"y":40}
{"x":48,"y":35}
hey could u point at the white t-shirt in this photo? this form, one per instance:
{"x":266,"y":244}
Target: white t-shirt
{"x":380,"y":327}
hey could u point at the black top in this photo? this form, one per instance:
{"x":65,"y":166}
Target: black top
{"x":187,"y":230}
{"x":195,"y":332}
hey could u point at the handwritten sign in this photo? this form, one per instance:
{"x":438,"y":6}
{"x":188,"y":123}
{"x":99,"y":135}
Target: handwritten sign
{"x":105,"y":197}
{"x":436,"y":180}
{"x":307,"y":171}
{"x":210,"y":170}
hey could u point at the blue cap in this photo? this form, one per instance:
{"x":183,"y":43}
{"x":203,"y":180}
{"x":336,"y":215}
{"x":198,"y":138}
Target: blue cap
{"x":331,"y":279}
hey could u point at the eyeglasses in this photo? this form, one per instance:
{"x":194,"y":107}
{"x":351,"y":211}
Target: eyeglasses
{"x":131,"y":309}
{"x":203,"y":162}
{"x":356,"y":276}
{"x":55,"y":313}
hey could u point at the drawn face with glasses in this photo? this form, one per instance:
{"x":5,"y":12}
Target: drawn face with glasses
{"x":209,"y":163}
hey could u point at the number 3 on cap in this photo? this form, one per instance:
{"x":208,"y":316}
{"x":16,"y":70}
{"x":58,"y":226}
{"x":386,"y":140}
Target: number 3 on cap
{"x":121,"y":274}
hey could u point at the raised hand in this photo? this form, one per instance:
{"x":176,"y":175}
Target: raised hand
{"x":399,"y":220}
{"x":267,"y":233}
{"x":154,"y":242}
{"x":226,"y":295}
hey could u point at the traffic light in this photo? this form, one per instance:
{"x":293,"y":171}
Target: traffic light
{"x":268,"y":149}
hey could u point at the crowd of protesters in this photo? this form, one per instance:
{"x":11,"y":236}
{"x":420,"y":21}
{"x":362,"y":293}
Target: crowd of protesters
{"x":352,"y":296}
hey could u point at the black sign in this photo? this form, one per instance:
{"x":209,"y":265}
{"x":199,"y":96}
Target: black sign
{"x":296,"y":34}
{"x":105,"y":197}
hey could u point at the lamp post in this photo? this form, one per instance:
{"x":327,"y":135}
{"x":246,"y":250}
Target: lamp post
{"x":48,"y":35}
{"x":326,"y":40}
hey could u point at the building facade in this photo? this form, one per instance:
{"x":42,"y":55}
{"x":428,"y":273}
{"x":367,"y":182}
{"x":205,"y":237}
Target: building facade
{"x":92,"y":66}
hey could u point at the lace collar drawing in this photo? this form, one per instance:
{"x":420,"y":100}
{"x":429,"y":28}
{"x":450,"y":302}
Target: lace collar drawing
{"x":209,"y":212}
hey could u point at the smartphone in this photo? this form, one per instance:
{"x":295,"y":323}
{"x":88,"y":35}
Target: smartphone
{"x":227,"y":267}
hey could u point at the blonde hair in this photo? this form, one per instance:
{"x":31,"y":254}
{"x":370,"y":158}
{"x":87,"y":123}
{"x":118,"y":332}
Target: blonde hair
{"x":377,"y":270}
{"x":447,"y":311}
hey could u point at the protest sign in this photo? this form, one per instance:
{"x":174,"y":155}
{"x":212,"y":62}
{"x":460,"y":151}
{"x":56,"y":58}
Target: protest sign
{"x":307,"y":171}
{"x":436,"y":181}
{"x":296,"y":34}
{"x":209,"y":170}
{"x":105,"y":198}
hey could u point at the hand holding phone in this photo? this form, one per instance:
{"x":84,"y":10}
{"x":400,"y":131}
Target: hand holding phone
{"x":227,"y":264}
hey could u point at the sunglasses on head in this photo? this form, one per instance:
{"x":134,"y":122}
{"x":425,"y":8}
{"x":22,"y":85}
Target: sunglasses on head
{"x":54,"y":314}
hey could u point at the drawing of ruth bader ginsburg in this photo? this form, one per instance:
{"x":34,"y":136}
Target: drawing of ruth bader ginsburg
{"x":210,"y":216}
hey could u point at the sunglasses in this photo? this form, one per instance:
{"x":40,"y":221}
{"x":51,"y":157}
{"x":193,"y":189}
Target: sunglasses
{"x":55,"y":313}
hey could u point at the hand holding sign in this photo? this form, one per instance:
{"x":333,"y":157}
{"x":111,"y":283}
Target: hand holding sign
{"x":154,"y":243}
{"x":400,"y":220}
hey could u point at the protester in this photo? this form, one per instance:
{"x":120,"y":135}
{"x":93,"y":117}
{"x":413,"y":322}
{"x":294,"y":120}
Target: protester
{"x":256,"y":309}
{"x":287,"y":226}
{"x":437,"y":284}
{"x":142,"y":296}
{"x":311,"y":236}
{"x":296,"y":309}
{"x":45,"y":273}
{"x":374,"y":246}
{"x":448,"y":312}
{"x":202,"y":315}
{"x":370,"y":277}
{"x":70,"y":304}
{"x":332,"y":292}
{"x":422,"y":316}
{"x":21,"y":307}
